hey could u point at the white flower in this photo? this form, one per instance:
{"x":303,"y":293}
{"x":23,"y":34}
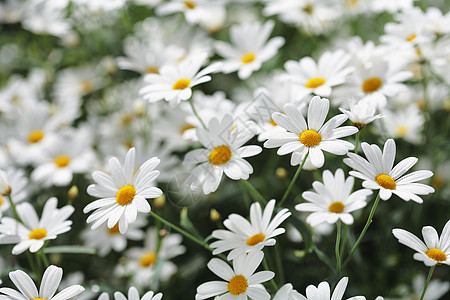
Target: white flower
{"x":174,"y":83}
{"x":133,"y":294}
{"x":312,"y":137}
{"x":322,"y":291}
{"x":287,"y":292}
{"x":406,"y":123}
{"x":436,"y":289}
{"x":243,"y":236}
{"x":333,"y":199}
{"x":435,"y":250}
{"x":123,"y":193}
{"x":361,"y":113}
{"x":223,"y":153}
{"x":331,"y":70}
{"x":49,"y":285}
{"x":240,"y":282}
{"x":13,"y":183}
{"x":250,"y":48}
{"x":33,"y":233}
{"x":378,"y":173}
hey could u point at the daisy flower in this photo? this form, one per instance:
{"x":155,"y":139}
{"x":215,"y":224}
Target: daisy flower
{"x":319,"y":78}
{"x":378,"y":173}
{"x":133,"y":294}
{"x":13,"y":183}
{"x":361,"y":113}
{"x":250,"y":48}
{"x":313,"y":137}
{"x":49,"y":285}
{"x":123,"y":193}
{"x":240,"y":282}
{"x":333,"y":199}
{"x":435,"y":250}
{"x":406,"y":123}
{"x":436,"y":289}
{"x":223,"y":153}
{"x":174,"y":83}
{"x":322,"y":291}
{"x":33,"y":233}
{"x":243,"y":236}
{"x":287,"y":292}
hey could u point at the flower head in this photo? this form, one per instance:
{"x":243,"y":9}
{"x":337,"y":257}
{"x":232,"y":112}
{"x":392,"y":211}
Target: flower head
{"x":361,"y":113}
{"x":435,"y":250}
{"x":322,"y":291}
{"x":378,"y":173}
{"x":133,"y":294}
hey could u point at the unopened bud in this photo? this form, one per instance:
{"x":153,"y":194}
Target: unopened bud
{"x":72,"y":193}
{"x":214,"y":215}
{"x":163,"y":233}
{"x":160,"y":201}
{"x":281,"y":173}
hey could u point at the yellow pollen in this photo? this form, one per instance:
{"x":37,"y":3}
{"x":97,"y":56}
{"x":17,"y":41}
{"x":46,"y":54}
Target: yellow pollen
{"x":186,"y":127}
{"x":310,"y":138}
{"x":38,"y":299}
{"x":114,"y":229}
{"x":152,"y":70}
{"x":61,"y":161}
{"x":181,"y":84}
{"x":315,"y":82}
{"x":147,"y":259}
{"x":273,"y":122}
{"x":411,"y":37}
{"x":371,"y":84}
{"x":86,"y":86}
{"x":1,"y":201}
{"x":238,"y":285}
{"x":38,"y":234}
{"x":189,"y":4}
{"x":336,"y":207}
{"x":248,"y":57}
{"x":35,"y":136}
{"x":402,"y":130}
{"x":256,"y":239}
{"x":220,"y":155}
{"x":125,"y":195}
{"x":386,"y":181}
{"x":436,"y":254}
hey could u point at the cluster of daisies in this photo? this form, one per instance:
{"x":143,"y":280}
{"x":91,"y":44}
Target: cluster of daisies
{"x":113,"y":112}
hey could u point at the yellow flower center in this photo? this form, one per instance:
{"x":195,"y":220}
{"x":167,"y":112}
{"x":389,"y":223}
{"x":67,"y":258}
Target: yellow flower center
{"x":189,"y":4}
{"x":310,"y":138}
{"x":181,"y":84}
{"x":125,"y":195}
{"x":238,"y":285}
{"x":248,"y":57}
{"x":336,"y":207}
{"x":114,"y":230}
{"x":386,"y":181}
{"x":186,"y":127}
{"x":35,"y":136}
{"x":411,"y":37}
{"x":402,"y":130}
{"x":1,"y":201}
{"x":315,"y":82}
{"x":273,"y":122}
{"x":61,"y":161}
{"x":38,"y":299}
{"x":220,"y":155}
{"x":37,"y":234}
{"x":147,"y":259}
{"x":86,"y":86}
{"x":436,"y":254}
{"x":152,"y":70}
{"x":371,"y":84}
{"x":437,"y":182}
{"x":256,"y":239}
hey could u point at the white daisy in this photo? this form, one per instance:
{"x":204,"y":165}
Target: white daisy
{"x":406,"y":123}
{"x":123,"y":193}
{"x":287,"y":292}
{"x":33,"y":233}
{"x":250,"y":48}
{"x":435,"y":250}
{"x":133,"y":294}
{"x":174,"y":83}
{"x":361,"y":113}
{"x":240,"y":282}
{"x":243,"y":236}
{"x":49,"y":285}
{"x":322,"y":291}
{"x":378,"y":173}
{"x":311,"y":78}
{"x":13,"y":183}
{"x":313,"y":137}
{"x":436,"y":289}
{"x":333,"y":199}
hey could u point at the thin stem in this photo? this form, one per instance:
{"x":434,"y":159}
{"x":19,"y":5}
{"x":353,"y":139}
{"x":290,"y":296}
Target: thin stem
{"x":363,"y":232}
{"x":337,"y":248}
{"x":13,"y":207}
{"x":357,"y":141}
{"x":196,"y":113}
{"x":286,"y":193}
{"x":343,"y":240}
{"x":279,"y":263}
{"x":43,"y":257}
{"x":254,"y":192}
{"x":266,"y":267}
{"x":430,"y":273}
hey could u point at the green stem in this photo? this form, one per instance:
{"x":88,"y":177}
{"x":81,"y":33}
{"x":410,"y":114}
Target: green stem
{"x":13,"y":208}
{"x":343,"y":240}
{"x":254,"y":192}
{"x":363,"y":232}
{"x":357,"y":141}
{"x":279,"y":263}
{"x":41,"y":254}
{"x":430,"y":273}
{"x":266,"y":267}
{"x":286,"y":193}
{"x":196,"y":113}
{"x":337,"y":249}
